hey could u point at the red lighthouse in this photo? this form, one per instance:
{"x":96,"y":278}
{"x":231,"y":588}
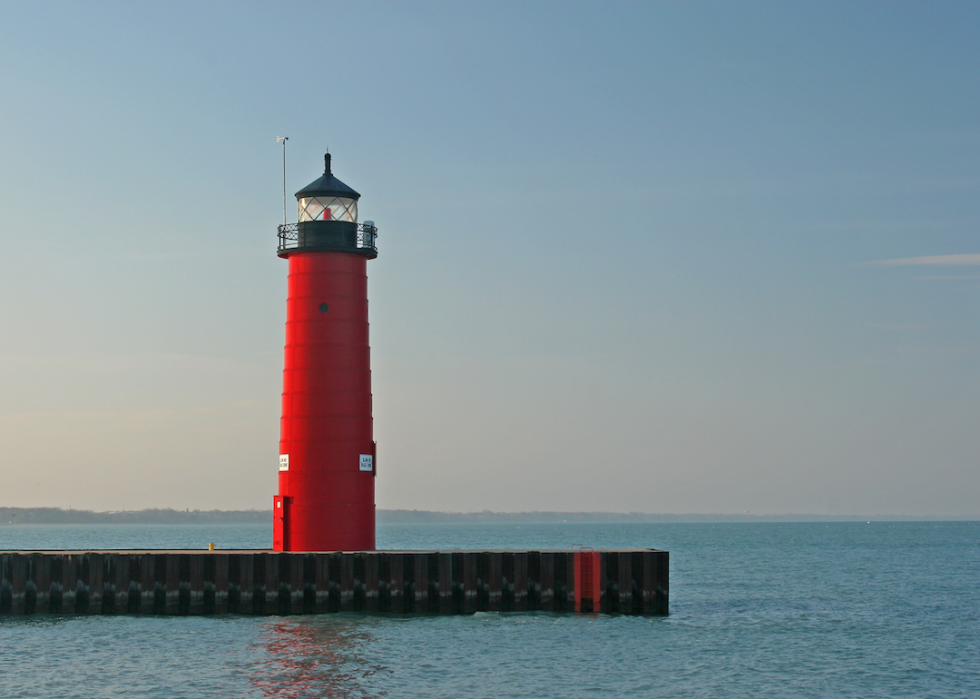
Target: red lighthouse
{"x":326,"y":445}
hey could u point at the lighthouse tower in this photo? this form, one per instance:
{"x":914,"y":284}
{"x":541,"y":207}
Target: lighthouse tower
{"x":327,"y":453}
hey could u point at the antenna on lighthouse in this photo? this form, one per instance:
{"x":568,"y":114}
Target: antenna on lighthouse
{"x":282,"y":140}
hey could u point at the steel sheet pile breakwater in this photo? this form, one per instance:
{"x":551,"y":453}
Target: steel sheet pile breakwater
{"x":624,"y":581}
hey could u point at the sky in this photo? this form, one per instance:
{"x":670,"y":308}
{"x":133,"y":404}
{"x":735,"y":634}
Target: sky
{"x":663,"y":257}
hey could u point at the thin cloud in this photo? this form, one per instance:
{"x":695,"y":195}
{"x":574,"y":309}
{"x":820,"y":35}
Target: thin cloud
{"x":948,"y":277}
{"x":972,"y":259}
{"x":896,"y":326}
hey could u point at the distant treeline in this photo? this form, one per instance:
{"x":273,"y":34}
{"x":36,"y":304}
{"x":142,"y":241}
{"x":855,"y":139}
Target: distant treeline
{"x":55,"y":515}
{"x":424,"y":516}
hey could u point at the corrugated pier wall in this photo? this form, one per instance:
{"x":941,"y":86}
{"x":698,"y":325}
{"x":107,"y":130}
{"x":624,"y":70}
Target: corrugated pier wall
{"x":624,"y":581}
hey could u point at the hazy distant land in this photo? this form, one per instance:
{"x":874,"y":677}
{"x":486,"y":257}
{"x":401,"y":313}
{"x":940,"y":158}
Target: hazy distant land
{"x":55,"y":515}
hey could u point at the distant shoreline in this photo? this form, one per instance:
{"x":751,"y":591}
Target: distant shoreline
{"x":56,"y":515}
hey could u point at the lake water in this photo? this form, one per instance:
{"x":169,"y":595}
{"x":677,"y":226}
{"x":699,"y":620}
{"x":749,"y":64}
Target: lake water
{"x":776,"y":610}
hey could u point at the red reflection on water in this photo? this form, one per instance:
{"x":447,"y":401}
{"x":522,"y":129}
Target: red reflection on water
{"x":315,"y":657}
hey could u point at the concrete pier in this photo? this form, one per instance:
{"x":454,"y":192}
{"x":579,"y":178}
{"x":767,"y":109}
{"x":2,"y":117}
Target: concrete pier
{"x":623,"y":581}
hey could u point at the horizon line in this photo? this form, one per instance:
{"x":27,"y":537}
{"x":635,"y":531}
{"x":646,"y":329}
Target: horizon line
{"x":525,"y":513}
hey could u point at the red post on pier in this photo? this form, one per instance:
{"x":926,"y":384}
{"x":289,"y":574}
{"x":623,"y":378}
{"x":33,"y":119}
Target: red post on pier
{"x":327,"y":455}
{"x":588,"y":580}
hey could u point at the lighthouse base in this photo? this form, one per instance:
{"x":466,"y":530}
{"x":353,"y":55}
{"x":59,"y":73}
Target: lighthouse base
{"x":623,"y":581}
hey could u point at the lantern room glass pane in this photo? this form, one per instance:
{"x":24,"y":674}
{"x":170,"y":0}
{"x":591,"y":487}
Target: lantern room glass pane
{"x":327,"y":209}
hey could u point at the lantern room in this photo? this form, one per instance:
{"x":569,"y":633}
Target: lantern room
{"x":327,"y":209}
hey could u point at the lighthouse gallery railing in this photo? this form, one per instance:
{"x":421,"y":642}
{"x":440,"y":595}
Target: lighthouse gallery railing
{"x":366,"y":237}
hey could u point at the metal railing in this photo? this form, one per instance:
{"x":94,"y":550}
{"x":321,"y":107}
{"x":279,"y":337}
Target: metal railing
{"x":365,"y":239}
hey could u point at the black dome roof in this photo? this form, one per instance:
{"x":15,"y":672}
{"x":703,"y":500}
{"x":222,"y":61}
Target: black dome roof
{"x":327,"y":186}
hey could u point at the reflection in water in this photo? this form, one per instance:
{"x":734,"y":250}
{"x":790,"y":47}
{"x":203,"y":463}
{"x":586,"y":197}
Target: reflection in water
{"x":314,"y":657}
